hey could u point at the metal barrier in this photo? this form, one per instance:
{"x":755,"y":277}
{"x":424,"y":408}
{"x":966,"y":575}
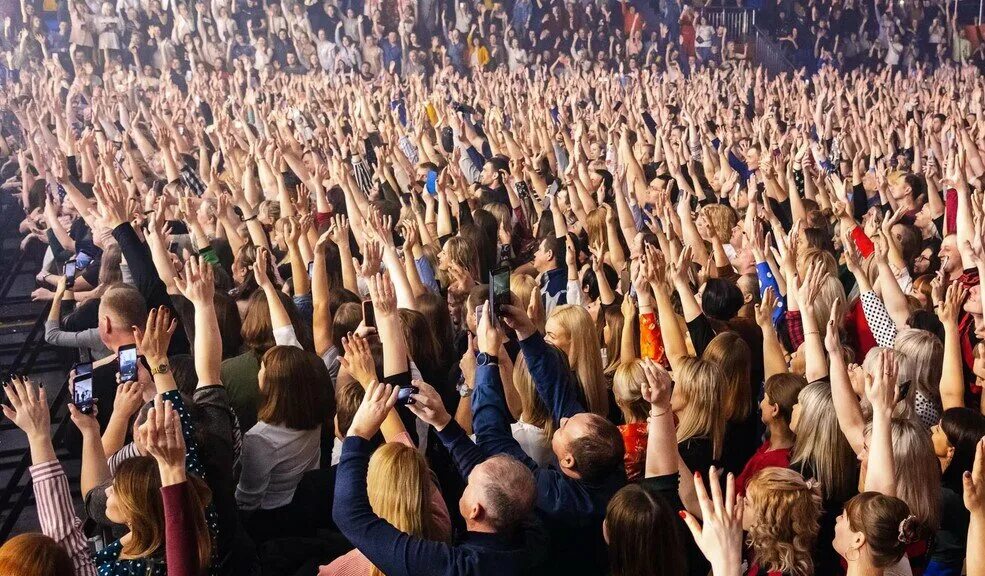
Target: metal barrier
{"x":770,"y":56}
{"x":738,"y":22}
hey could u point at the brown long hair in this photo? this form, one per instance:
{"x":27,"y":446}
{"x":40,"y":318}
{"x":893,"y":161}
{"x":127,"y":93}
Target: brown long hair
{"x":732,"y":355}
{"x":886,"y":523}
{"x":258,"y":329}
{"x":138,"y":487}
{"x":34,"y":555}
{"x":643,"y":535}
{"x":294,"y":392}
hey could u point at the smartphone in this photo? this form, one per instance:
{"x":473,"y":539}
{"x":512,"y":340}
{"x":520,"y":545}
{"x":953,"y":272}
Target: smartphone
{"x":119,"y":126}
{"x":82,"y":393}
{"x":82,"y":368}
{"x":904,"y":389}
{"x":499,"y":289}
{"x":61,"y":193}
{"x":431,"y":184}
{"x":82,"y":260}
{"x":369,"y":315}
{"x":311,"y":269}
{"x":127,"y":363}
{"x":478,"y":316}
{"x":70,"y":274}
{"x":191,"y":180}
{"x":404,"y":394}
{"x":206,"y":111}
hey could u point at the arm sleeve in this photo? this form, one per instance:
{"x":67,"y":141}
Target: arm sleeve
{"x":553,"y":384}
{"x":180,"y":547}
{"x":880,"y":323}
{"x":426,"y":272}
{"x":392,"y":551}
{"x":795,"y":328}
{"x":125,"y":453}
{"x":463,"y":450}
{"x":574,"y":293}
{"x":862,"y":242}
{"x":651,"y":342}
{"x":148,"y":281}
{"x":285,"y":336}
{"x":767,"y":280}
{"x":255,"y":477}
{"x":57,"y":517}
{"x":55,"y":336}
{"x":701,"y":333}
{"x":490,"y":417}
{"x":860,"y":202}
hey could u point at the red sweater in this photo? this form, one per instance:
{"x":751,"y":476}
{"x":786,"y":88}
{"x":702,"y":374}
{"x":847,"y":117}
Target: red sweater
{"x":765,"y":457}
{"x":180,"y":548}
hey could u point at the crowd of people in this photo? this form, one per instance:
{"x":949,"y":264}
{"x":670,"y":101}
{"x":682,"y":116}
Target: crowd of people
{"x":515,"y":301}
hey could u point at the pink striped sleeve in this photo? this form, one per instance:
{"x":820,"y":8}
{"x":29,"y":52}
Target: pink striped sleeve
{"x":57,"y":515}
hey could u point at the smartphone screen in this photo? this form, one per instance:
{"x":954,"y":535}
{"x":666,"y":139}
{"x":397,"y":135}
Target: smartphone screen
{"x":82,"y":393}
{"x":127,"y":361}
{"x":431,"y":184}
{"x":499,"y":288}
{"x":70,"y":274}
{"x":369,"y":315}
{"x":404,"y":394}
{"x":82,"y":368}
{"x":311,"y":269}
{"x":82,"y":260}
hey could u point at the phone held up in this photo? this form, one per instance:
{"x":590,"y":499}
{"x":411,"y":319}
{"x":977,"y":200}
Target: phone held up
{"x":127,"y":363}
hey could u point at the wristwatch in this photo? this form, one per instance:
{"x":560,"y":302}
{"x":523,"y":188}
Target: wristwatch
{"x":463,"y":390}
{"x":484,"y":359}
{"x":161,"y":369}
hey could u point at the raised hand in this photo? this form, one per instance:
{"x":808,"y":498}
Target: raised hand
{"x":382,"y":294}
{"x":656,"y":389}
{"x":162,"y":438}
{"x":950,"y":307}
{"x":832,"y":339}
{"x":377,"y":402}
{"x":357,"y":359}
{"x":129,"y":398}
{"x":880,"y":388}
{"x":428,"y":406}
{"x":490,"y":337}
{"x":28,"y":408}
{"x":372,"y":259}
{"x":197,"y":281}
{"x":720,"y":536}
{"x":154,"y":339}
{"x":974,"y":483}
{"x":261,"y":267}
{"x":764,"y":310}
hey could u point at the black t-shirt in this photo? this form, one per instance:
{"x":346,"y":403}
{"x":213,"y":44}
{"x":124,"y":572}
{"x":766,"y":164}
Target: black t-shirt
{"x":667,"y":487}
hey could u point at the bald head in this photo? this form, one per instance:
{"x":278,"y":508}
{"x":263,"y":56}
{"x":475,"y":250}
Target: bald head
{"x":506,"y":491}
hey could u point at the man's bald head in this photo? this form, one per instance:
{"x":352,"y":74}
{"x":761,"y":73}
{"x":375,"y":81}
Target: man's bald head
{"x":121,"y":308}
{"x":505,"y":490}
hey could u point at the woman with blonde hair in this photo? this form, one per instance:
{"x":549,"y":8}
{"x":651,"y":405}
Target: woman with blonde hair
{"x":822,"y":453}
{"x":697,"y":401}
{"x":921,"y":363}
{"x":523,"y":286}
{"x":781,"y":516}
{"x":572,"y":330}
{"x":534,"y":428}
{"x":626,"y":388}
{"x":401,"y":491}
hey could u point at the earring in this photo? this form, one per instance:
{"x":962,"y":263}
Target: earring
{"x":848,"y":555}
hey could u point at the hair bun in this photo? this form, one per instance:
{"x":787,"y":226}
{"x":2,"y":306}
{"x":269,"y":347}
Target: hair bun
{"x":908,"y":529}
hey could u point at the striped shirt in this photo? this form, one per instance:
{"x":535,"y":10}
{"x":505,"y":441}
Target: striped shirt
{"x":57,"y":515}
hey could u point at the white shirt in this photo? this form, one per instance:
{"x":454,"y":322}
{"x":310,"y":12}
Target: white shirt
{"x":274,"y":459}
{"x":534,"y":442}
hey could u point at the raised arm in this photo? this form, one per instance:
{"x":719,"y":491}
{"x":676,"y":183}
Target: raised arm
{"x":661,"y":442}
{"x":198,"y":285}
{"x":881,"y":392}
{"x":846,"y":403}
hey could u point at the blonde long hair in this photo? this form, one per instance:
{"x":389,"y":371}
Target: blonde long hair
{"x":786,"y":510}
{"x":699,"y":383}
{"x":398,"y":486}
{"x":626,"y":384}
{"x":917,"y":470}
{"x":585,"y":356}
{"x":820,"y":445}
{"x":532,"y":408}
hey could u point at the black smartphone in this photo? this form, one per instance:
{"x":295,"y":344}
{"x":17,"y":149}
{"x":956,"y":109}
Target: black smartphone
{"x":499,"y":289}
{"x":206,"y":111}
{"x":70,"y":274}
{"x":404,"y":394}
{"x":82,"y":368}
{"x":126,"y":360}
{"x":82,"y":393}
{"x":369,"y":314}
{"x":904,"y":390}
